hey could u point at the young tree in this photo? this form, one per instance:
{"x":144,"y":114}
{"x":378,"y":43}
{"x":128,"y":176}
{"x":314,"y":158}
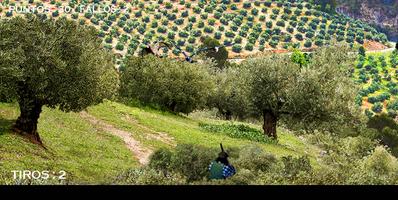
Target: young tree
{"x":314,"y":96}
{"x":299,"y":58}
{"x":362,"y":51}
{"x":220,"y":56}
{"x":58,"y":64}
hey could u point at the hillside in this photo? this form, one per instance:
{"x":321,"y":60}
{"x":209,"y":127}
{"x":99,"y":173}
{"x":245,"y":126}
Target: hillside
{"x":289,"y":118}
{"x":90,"y":153}
{"x":377,"y":73}
{"x":246,"y":27}
{"x":383,"y":14}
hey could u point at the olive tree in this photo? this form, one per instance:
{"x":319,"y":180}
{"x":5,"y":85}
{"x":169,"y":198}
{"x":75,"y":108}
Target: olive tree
{"x":322,"y":92}
{"x":171,"y":84}
{"x":220,"y":56}
{"x":54,"y":63}
{"x":230,"y":96}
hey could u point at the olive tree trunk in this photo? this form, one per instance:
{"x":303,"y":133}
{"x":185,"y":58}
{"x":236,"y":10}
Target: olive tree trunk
{"x":269,"y":125}
{"x":26,"y":123}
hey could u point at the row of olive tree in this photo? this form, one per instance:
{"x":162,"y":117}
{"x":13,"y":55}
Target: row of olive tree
{"x":54,"y":63}
{"x":314,"y":94}
{"x":61,"y":64}
{"x":319,"y":94}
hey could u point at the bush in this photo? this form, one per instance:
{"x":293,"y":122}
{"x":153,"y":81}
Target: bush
{"x":238,"y":131}
{"x":378,"y":168}
{"x":148,"y":177}
{"x":293,"y":166}
{"x":299,"y":36}
{"x":120,"y":46}
{"x":280,"y":23}
{"x":173,"y":85}
{"x":308,"y":43}
{"x":192,"y":161}
{"x":273,"y":43}
{"x":377,"y":107}
{"x":161,"y":160}
{"x":249,"y":47}
{"x":254,"y":158}
{"x":236,"y":48}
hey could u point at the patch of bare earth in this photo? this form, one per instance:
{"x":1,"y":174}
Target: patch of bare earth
{"x":141,"y":152}
{"x":370,"y":45}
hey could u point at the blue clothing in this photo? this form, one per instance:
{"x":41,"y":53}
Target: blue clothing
{"x":221,"y":171}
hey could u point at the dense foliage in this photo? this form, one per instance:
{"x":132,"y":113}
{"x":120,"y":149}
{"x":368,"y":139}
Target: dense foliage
{"x":174,"y":85}
{"x":347,"y":161}
{"x":280,"y":89}
{"x":65,"y":68}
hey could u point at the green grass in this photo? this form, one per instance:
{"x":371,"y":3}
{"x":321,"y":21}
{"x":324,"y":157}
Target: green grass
{"x":238,"y":131}
{"x":86,"y":154}
{"x":94,"y":157}
{"x":187,"y":130}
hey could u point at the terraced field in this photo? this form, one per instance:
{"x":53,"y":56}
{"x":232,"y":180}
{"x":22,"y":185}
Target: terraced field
{"x":378,"y":74}
{"x":246,"y":27}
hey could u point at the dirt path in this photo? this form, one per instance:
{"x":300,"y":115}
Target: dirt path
{"x":140,"y":152}
{"x":151,"y":134}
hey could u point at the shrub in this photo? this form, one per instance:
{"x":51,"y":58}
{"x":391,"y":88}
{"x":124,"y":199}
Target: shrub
{"x":237,"y":131}
{"x":119,"y":46}
{"x":280,"y":23}
{"x":218,"y":35}
{"x":254,"y":158}
{"x":273,"y":43}
{"x":108,"y":39}
{"x":161,"y":160}
{"x":393,"y":105}
{"x":173,"y":85}
{"x":249,"y":47}
{"x":148,"y":177}
{"x":377,"y":107}
{"x":236,"y":48}
{"x":293,"y":166}
{"x":246,"y":5}
{"x":308,"y":43}
{"x":208,"y":29}
{"x":192,"y":161}
{"x":299,"y":36}
{"x":378,"y":168}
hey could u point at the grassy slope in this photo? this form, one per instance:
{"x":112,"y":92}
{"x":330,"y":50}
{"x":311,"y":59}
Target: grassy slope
{"x":92,"y":156}
{"x":75,"y":146}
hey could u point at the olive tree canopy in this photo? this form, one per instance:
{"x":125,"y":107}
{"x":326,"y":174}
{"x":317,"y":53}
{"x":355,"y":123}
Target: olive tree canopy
{"x":54,"y":63}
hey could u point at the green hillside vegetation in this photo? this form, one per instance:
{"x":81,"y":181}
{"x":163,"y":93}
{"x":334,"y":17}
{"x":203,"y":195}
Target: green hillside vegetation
{"x":283,"y":118}
{"x":92,"y":156}
{"x":378,"y":75}
{"x":245,"y":27}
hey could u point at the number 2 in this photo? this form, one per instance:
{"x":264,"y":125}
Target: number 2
{"x":62,"y":176}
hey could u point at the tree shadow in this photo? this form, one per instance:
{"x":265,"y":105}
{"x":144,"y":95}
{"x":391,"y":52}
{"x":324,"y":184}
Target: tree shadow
{"x":6,"y":125}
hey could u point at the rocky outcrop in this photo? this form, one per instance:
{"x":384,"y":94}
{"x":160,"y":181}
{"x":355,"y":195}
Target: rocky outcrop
{"x":385,"y":17}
